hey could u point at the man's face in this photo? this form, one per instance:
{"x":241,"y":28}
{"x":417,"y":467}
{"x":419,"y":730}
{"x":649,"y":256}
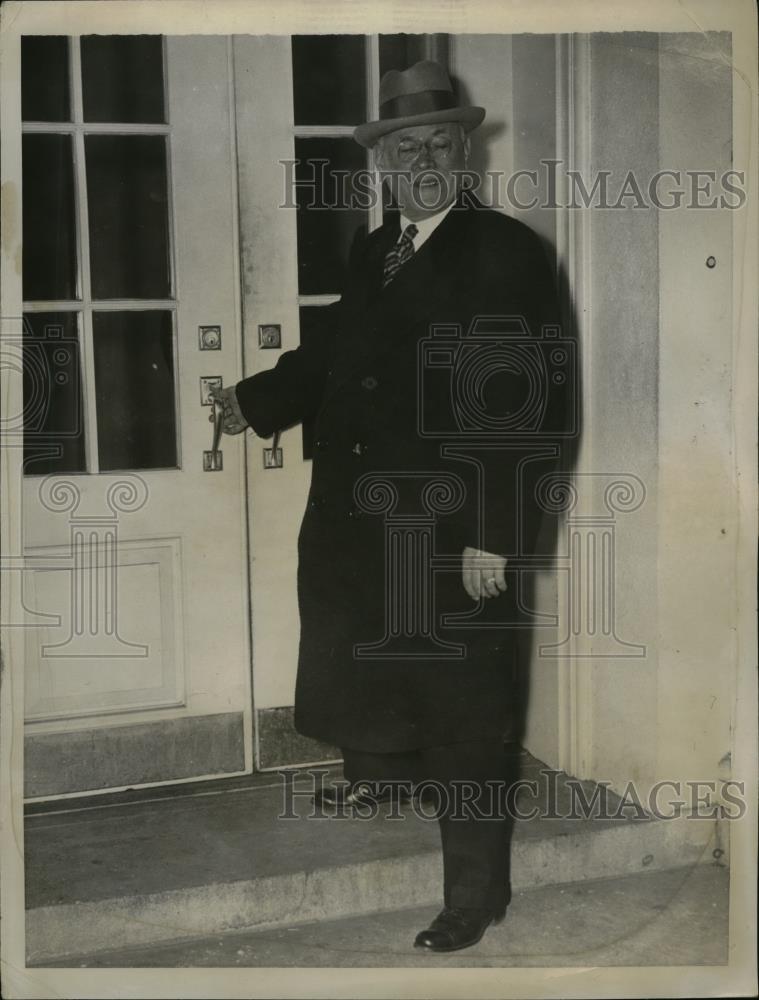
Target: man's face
{"x":421,"y":163}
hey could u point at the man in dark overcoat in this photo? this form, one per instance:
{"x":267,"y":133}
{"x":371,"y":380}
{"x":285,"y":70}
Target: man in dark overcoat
{"x":431,"y":429}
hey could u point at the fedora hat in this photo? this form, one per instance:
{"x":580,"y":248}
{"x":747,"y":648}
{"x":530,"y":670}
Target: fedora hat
{"x":420,"y":95}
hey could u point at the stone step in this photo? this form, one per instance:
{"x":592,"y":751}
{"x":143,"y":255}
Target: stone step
{"x":154,"y":872}
{"x":673,"y":918}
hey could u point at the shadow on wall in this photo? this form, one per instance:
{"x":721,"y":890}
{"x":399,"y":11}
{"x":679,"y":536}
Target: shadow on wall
{"x":483,"y":137}
{"x":481,"y":160}
{"x":548,"y":538}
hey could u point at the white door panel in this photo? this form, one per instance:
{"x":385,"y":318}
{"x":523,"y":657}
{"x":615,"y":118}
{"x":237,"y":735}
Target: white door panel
{"x":149,"y":580}
{"x":73,"y":672}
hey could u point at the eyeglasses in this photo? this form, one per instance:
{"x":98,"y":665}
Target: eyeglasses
{"x":439,"y":146}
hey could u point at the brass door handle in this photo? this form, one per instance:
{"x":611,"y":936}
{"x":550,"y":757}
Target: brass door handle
{"x":273,"y":458}
{"x":213,"y":460}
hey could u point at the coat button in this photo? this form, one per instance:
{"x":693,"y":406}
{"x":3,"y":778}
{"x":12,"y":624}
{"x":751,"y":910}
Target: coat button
{"x":370,"y":382}
{"x":354,"y":513}
{"x":322,"y":444}
{"x":316,"y":503}
{"x":358,"y":448}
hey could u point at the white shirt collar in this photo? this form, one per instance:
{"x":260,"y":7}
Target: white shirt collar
{"x":426,"y":226}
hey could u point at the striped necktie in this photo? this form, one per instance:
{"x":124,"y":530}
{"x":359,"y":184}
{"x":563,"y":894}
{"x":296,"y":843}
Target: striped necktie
{"x":398,"y":254}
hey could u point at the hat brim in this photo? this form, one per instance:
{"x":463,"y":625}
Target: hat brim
{"x":368,"y":133}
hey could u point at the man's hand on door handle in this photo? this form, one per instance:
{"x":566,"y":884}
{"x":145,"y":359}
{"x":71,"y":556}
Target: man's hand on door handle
{"x":482,"y":573}
{"x":233,"y":421}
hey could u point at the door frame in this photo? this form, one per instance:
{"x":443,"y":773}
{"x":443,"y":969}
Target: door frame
{"x":11,"y":458}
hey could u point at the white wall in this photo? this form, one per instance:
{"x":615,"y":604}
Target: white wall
{"x":660,"y":406}
{"x":698,"y":596}
{"x":621,"y":336}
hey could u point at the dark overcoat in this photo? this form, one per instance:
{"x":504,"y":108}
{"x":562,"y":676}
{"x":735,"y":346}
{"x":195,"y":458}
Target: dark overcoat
{"x":434,"y":418}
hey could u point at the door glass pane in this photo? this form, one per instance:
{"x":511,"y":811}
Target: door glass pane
{"x":45,"y":79}
{"x":49,"y":232}
{"x":134,"y":380}
{"x":324,"y":233}
{"x":122,"y":78}
{"x":53,"y":411}
{"x":329,"y":79}
{"x":128,"y":210}
{"x":400,"y":51}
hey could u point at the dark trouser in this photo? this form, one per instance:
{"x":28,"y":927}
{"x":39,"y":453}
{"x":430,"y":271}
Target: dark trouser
{"x":476,"y":851}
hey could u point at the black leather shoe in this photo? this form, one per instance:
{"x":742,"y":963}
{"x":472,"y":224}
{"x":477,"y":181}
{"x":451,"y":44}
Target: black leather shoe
{"x":455,"y":927}
{"x":362,"y":794}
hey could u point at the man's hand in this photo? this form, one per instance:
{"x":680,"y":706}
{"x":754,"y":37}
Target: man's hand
{"x":482,"y":573}
{"x":233,"y":420}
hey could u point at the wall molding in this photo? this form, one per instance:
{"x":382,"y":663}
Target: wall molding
{"x":573,"y":251}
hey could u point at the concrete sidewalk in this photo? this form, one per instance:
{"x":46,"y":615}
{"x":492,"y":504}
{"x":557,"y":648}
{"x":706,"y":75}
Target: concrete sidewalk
{"x":678,"y":917}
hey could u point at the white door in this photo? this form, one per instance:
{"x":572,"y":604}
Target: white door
{"x":137,"y":654}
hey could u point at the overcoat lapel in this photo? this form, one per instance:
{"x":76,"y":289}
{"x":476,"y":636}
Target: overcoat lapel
{"x":379,"y":318}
